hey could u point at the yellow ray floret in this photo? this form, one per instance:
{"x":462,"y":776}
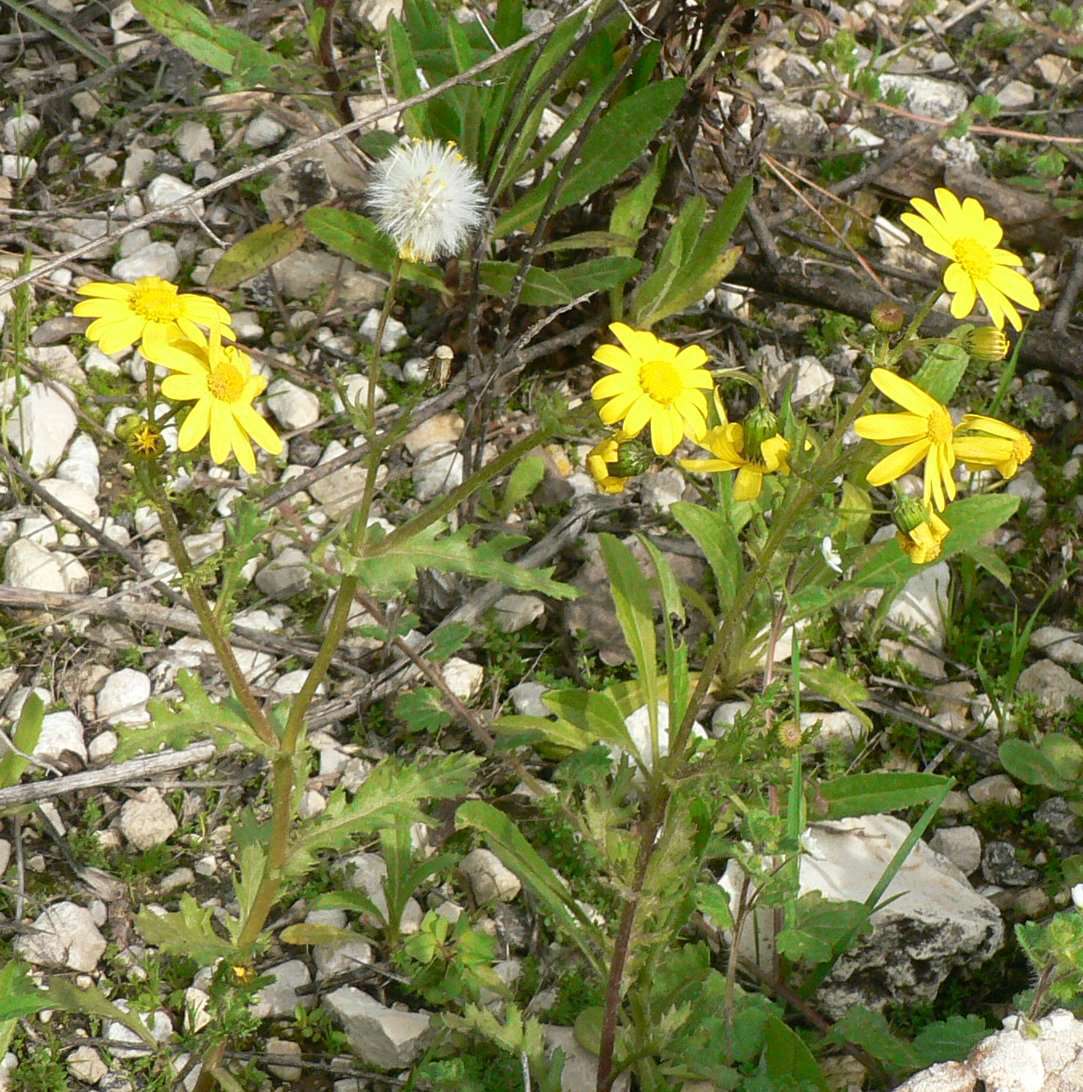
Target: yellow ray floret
{"x":220,"y":380}
{"x":962,"y":233}
{"x":985,"y":441}
{"x":150,"y":310}
{"x":654,"y":383}
{"x":730,"y":446}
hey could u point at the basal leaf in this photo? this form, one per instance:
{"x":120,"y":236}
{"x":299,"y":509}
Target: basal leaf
{"x":950,"y":1039}
{"x":422,"y":710}
{"x":257,"y":251}
{"x":540,"y":287}
{"x":594,"y":713}
{"x":598,"y":275}
{"x":870,"y":1030}
{"x":635,"y":612}
{"x":873,"y":793}
{"x":785,"y":1056}
{"x":19,"y":995}
{"x":186,"y":932}
{"x":715,"y":537}
{"x":25,"y":736}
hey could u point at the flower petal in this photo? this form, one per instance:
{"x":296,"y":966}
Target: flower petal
{"x":613,"y":356}
{"x":112,"y":335}
{"x":891,"y":428}
{"x":666,"y":431}
{"x":258,"y":428}
{"x":110,"y":290}
{"x":195,"y":425}
{"x":609,"y":386}
{"x":898,"y":463}
{"x":691,"y":356}
{"x":905,"y":393}
{"x":221,"y":431}
{"x":616,"y":408}
{"x":748,"y":483}
{"x":639,"y":413}
{"x":182,"y":387}
{"x":1015,"y":286}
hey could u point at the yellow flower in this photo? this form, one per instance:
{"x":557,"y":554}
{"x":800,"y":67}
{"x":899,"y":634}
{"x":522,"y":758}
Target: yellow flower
{"x":923,"y":432}
{"x":922,"y":544}
{"x":219,"y":379}
{"x":654,"y":383}
{"x":613,"y":462}
{"x":965,"y":235}
{"x":752,"y":451}
{"x":985,"y":441}
{"x":151,"y":311}
{"x":987,"y":343}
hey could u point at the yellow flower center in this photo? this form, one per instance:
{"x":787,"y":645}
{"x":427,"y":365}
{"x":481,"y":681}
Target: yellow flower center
{"x":1022,"y":448}
{"x":155,"y":300}
{"x":662,"y":381}
{"x":939,"y":427}
{"x":974,"y":257}
{"x":226,"y":382}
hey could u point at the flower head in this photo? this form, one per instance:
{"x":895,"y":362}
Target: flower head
{"x":220,"y":380}
{"x":987,"y":343}
{"x":752,"y":449}
{"x":985,"y":441}
{"x":921,"y":530}
{"x":963,"y":233}
{"x":614,"y":461}
{"x":654,"y":383}
{"x":150,"y":310}
{"x":924,"y":432}
{"x":428,"y":198}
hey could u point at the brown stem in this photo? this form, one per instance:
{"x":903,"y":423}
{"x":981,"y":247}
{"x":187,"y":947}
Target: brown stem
{"x":331,"y":77}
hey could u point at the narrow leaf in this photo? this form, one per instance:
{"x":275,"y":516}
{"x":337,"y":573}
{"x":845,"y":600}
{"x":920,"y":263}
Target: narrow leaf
{"x":257,"y":251}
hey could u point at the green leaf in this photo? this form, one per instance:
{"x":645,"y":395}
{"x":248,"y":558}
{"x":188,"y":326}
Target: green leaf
{"x":630,"y":211}
{"x":870,"y":1031}
{"x":65,"y":994}
{"x":219,"y":47}
{"x":187,"y":932}
{"x":522,"y":481}
{"x":25,"y":737}
{"x":950,"y":1039}
{"x":391,"y":792}
{"x":597,"y":275}
{"x":942,"y":371}
{"x":634,"y":612}
{"x":785,"y":1056}
{"x":595,"y":714}
{"x":556,"y":734}
{"x":196,"y":717}
{"x":589,"y":240}
{"x":354,"y":901}
{"x":713,"y":902}
{"x":540,"y":287}
{"x":316,"y":933}
{"x":395,"y":568}
{"x":1036,"y":766}
{"x":447,"y":640}
{"x":678,"y":245}
{"x":404,"y":76}
{"x":874,"y":793}
{"x":257,"y":251}
{"x":506,"y":840}
{"x":422,"y":710}
{"x":360,"y":240}
{"x":819,"y":925}
{"x":715,"y":537}
{"x":839,"y":687}
{"x":19,"y":994}
{"x":621,"y":134}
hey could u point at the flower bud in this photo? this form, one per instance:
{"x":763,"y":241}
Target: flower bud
{"x":888,"y":318}
{"x":910,"y":513}
{"x":632,"y":458}
{"x":987,"y":343}
{"x":760,"y":425}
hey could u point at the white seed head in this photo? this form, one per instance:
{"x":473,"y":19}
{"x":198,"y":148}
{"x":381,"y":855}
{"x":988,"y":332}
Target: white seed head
{"x":428,"y":198}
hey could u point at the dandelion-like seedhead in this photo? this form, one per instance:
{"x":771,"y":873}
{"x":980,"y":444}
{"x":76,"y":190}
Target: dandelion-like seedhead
{"x":428,"y":198}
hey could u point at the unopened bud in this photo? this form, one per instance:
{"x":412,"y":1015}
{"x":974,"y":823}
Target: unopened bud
{"x":910,"y":513}
{"x":988,"y":343}
{"x":760,"y":425}
{"x":632,"y":458}
{"x":888,"y":318}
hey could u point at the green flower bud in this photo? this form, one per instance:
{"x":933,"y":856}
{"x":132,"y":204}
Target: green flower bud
{"x":910,"y":513}
{"x":888,"y":318}
{"x":632,"y":458}
{"x":761,"y":424}
{"x":987,"y":343}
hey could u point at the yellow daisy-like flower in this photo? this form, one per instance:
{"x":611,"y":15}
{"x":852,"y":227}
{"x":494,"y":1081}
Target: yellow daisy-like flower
{"x":150,"y":310}
{"x":924,"y":432}
{"x":985,"y":441}
{"x":654,"y":383}
{"x":753,"y":450}
{"x":220,"y":380}
{"x":922,"y":543}
{"x":598,"y":464}
{"x":963,"y":233}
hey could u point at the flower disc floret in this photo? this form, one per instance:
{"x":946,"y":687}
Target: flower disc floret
{"x":984,"y":441}
{"x":962,"y":233}
{"x":924,"y":431}
{"x":654,"y":384}
{"x":220,"y":380}
{"x":150,"y":310}
{"x":428,"y":198}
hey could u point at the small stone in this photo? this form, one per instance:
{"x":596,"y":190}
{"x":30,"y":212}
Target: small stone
{"x":348,"y":955}
{"x":41,"y":425}
{"x":726,"y":714}
{"x":660,"y":490}
{"x":61,"y":736}
{"x":356,"y":390}
{"x":166,"y":190}
{"x":937,"y":98}
{"x":437,"y":471}
{"x":444,"y":428}
{"x":526,"y":699}
{"x":5,"y":855}
{"x":488,"y":879}
{"x":395,"y":334}
{"x":1061,"y":820}
{"x":283,"y":1050}
{"x":123,"y":697}
{"x":263,"y":131}
{"x":998,"y":789}
{"x":293,"y":406}
{"x":20,"y":130}
{"x":1032,"y":902}
{"x":580,"y":1071}
{"x":280,"y":997}
{"x":19,"y":168}
{"x":513,"y":612}
{"x":100,"y":167}
{"x":196,"y":1017}
{"x":463,"y":678}
{"x":177,"y":880}
{"x":1060,"y":645}
{"x":155,"y":260}
{"x":194,"y":141}
{"x":1054,"y":687}
{"x":999,"y":866}
{"x":286,"y":575}
{"x":65,"y":936}
{"x":838,"y":726}
{"x":102,"y":747}
{"x":639,"y":729}
{"x":157,"y":1023}
{"x":146,"y":820}
{"x":961,"y":846}
{"x":85,"y":1064}
{"x":389,"y":1038}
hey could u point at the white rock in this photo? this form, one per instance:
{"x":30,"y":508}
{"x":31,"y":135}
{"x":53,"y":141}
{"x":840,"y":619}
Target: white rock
{"x":580,"y":1072}
{"x":661,"y":489}
{"x":100,"y":166}
{"x":996,"y":789}
{"x":41,"y":425}
{"x":922,"y":604}
{"x":246,"y":325}
{"x":40,"y":530}
{"x":935,"y":923}
{"x":135,"y":166}
{"x":285,"y":576}
{"x":366,"y":872}
{"x":389,"y":1038}
{"x":349,"y":955}
{"x":356,"y":389}
{"x":157,"y":1023}
{"x":639,"y":728}
{"x":26,"y":565}
{"x":293,"y":406}
{"x":463,"y":678}
{"x":72,"y":496}
{"x":73,"y":572}
{"x":85,"y":1064}
{"x":5,"y":855}
{"x":102,"y":746}
{"x":961,"y":846}
{"x":1014,"y":95}
{"x":726,"y":714}
{"x":123,"y":697}
{"x":838,"y":726}
{"x":1053,"y":686}
{"x":937,"y":98}
{"x":263,"y":131}
{"x":80,"y":472}
{"x":156,"y":260}
{"x":20,"y":130}
{"x":526,"y":699}
{"x":134,"y":242}
{"x":194,"y":141}
{"x":166,"y":189}
{"x":1060,"y":645}
{"x":65,"y":936}
{"x":444,"y":428}
{"x":280,"y":997}
{"x":18,"y":167}
{"x":284,"y":1049}
{"x":395,"y":334}
{"x":487,"y":878}
{"x":513,"y":612}
{"x":60,"y":732}
{"x":196,"y":1016}
{"x":438,"y":470}
{"x":146,"y":820}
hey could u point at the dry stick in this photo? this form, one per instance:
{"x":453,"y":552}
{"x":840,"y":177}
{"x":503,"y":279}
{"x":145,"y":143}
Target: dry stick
{"x":1063,"y":311}
{"x":137,"y":769}
{"x":288,"y":154}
